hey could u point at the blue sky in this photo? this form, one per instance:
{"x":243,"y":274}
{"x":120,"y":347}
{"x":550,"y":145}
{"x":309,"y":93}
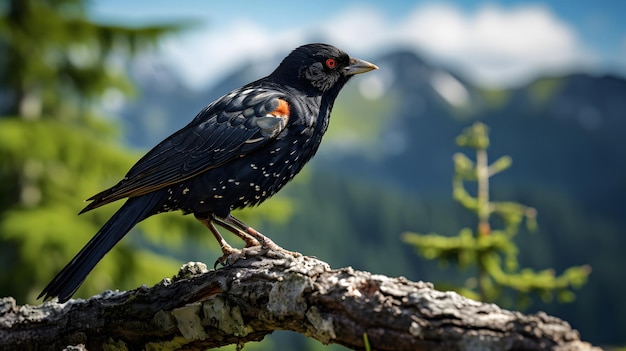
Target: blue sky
{"x":494,"y":43}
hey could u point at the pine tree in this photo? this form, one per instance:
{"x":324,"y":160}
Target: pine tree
{"x":492,"y":253}
{"x":56,"y":147}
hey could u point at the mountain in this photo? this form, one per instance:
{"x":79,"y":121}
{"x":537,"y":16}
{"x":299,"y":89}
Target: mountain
{"x":386,"y":167}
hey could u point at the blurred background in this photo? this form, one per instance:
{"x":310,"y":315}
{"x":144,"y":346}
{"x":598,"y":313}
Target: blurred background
{"x":86,"y":87}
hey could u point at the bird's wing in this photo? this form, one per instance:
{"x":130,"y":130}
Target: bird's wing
{"x":231,"y":127}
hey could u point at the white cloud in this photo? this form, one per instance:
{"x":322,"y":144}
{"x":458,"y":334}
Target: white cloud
{"x":492,"y":45}
{"x":496,"y":46}
{"x":206,"y":55}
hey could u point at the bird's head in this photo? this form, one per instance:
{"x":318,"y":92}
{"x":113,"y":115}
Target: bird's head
{"x":320,"y":67}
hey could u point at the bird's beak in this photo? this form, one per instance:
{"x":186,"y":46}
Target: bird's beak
{"x":357,"y":66}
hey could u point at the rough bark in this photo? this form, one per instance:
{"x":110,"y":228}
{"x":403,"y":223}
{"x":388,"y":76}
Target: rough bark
{"x":243,"y":302}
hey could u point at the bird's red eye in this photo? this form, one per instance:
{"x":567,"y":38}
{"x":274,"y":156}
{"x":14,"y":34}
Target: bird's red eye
{"x":331,"y":63}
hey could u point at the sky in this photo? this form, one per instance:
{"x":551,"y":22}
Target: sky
{"x":492,"y":43}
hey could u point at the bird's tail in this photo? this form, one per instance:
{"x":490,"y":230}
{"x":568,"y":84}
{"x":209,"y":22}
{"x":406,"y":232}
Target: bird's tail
{"x":65,"y":284}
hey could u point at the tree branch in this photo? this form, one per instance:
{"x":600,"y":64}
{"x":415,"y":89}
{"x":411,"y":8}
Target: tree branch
{"x":243,"y":302}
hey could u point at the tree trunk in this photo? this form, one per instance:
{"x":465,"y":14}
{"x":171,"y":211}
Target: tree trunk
{"x":243,"y":302}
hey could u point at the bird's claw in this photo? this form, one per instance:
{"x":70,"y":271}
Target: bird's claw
{"x":221,"y":261}
{"x":229,"y":257}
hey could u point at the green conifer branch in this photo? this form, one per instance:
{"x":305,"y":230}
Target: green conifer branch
{"x":492,"y":251}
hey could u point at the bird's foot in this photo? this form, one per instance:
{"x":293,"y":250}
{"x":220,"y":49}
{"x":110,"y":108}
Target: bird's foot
{"x":264,"y":247}
{"x":271,"y":247}
{"x":257,"y":244}
{"x":230,"y":256}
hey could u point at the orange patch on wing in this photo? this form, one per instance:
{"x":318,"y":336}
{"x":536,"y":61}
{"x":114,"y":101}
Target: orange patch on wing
{"x":282,"y":110}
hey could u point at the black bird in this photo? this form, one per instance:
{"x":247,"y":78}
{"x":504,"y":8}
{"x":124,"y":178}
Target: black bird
{"x":237,"y":152}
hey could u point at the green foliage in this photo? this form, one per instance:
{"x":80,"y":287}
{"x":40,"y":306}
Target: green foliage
{"x":56,"y":149}
{"x":56,"y":62}
{"x":45,"y":167}
{"x":492,"y":253}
